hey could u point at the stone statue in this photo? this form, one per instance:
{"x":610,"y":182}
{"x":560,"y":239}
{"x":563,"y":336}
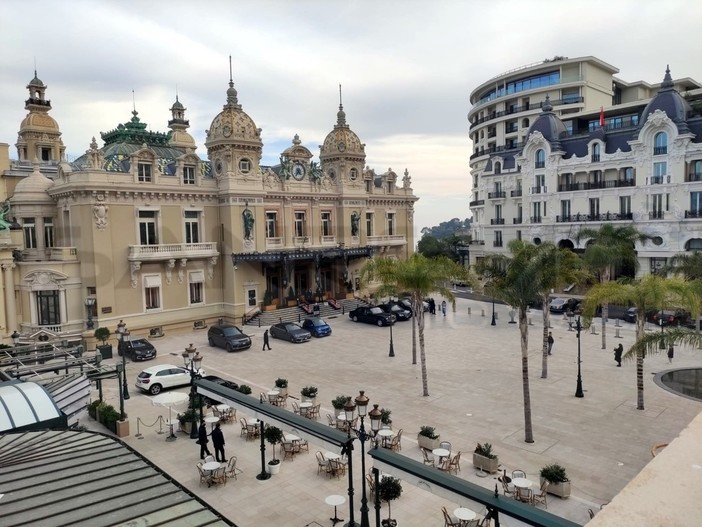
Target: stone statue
{"x":355,"y":218}
{"x":4,"y":213}
{"x":248,"y":223}
{"x":285,"y":169}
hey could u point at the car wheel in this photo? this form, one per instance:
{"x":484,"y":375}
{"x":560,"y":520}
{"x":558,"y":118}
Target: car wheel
{"x":229,"y":348}
{"x":380,"y":323}
{"x":355,"y":319}
{"x":211,"y":342}
{"x":155,"y":389}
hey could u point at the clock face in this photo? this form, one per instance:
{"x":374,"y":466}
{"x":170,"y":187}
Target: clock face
{"x":298,"y":171}
{"x":341,"y":146}
{"x":227,"y":130}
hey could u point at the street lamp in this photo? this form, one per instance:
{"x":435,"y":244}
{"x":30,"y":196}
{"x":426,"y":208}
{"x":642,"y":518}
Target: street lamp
{"x":89,"y":303}
{"x":15,"y":337}
{"x":392,"y":347}
{"x":579,"y":385}
{"x":192,"y":361}
{"x":661,"y":345}
{"x":123,"y":333}
{"x":493,"y":323}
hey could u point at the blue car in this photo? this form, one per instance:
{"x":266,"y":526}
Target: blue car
{"x":317,"y":326}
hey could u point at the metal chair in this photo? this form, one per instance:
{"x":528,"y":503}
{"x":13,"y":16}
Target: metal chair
{"x":518,"y":474}
{"x":446,"y":445}
{"x":231,"y":470}
{"x":322,"y":463}
{"x":455,"y":464}
{"x":524,"y":495}
{"x":448,"y":520}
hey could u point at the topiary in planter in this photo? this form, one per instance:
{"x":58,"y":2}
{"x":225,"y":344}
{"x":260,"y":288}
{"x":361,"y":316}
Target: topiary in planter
{"x":339,"y":401}
{"x":427,"y":438}
{"x":245,"y":389}
{"x":484,"y":459}
{"x":273,"y":435}
{"x":389,"y":489}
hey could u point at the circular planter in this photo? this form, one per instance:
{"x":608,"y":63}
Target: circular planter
{"x":274,"y":469}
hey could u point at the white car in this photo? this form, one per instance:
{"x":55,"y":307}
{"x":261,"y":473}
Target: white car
{"x":156,"y":378}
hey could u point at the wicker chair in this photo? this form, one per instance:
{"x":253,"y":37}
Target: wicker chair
{"x":428,"y":457}
{"x":448,"y":520}
{"x":396,"y":443}
{"x":322,"y":463}
{"x":541,"y":496}
{"x":231,"y":470}
{"x":455,"y":464}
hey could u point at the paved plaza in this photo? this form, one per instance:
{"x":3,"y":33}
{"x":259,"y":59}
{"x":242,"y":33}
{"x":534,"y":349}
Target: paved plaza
{"x":475,"y":396}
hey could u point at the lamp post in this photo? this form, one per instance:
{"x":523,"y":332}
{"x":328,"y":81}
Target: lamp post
{"x":493,"y":323}
{"x":123,"y":335}
{"x":661,"y":345}
{"x":192,"y":361}
{"x":89,"y":303}
{"x":120,"y":373}
{"x":579,"y":385}
{"x":392,"y":346}
{"x":15,"y":337}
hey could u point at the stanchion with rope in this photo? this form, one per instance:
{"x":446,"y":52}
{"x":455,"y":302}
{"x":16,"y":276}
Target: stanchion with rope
{"x":159,"y":420}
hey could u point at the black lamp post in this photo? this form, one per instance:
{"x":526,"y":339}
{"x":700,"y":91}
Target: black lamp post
{"x":392,"y":346}
{"x":123,"y":332}
{"x":89,"y":303}
{"x":120,"y":375}
{"x":493,"y":323}
{"x":579,"y":385}
{"x":661,"y":345}
{"x":192,"y":361}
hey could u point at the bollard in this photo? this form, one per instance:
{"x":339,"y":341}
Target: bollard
{"x":616,"y":334}
{"x":482,"y":312}
{"x":593,"y":330}
{"x":496,"y":317}
{"x":469,"y":312}
{"x":617,"y":323}
{"x":530,"y":322}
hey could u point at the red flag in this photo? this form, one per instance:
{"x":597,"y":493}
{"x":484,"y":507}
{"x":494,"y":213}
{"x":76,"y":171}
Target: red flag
{"x":601,"y":117}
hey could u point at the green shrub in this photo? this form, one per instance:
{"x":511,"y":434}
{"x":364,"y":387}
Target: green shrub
{"x":281,"y":383}
{"x":339,"y":402}
{"x":554,"y":473}
{"x":485,"y":450}
{"x":385,"y":416}
{"x":309,"y":391}
{"x":102,"y":334}
{"x":428,"y":431}
{"x":245,"y":389}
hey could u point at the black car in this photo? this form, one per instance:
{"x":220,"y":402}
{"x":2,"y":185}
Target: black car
{"x":564,"y":305}
{"x":406,"y":303}
{"x":395,"y":309}
{"x":229,"y":337}
{"x":137,"y":349}
{"x":290,"y":331}
{"x":372,"y":315}
{"x":670,"y":318}
{"x":630,"y":315}
{"x":223,"y":382}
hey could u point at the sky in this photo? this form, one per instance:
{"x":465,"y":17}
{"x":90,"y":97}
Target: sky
{"x":406,"y":68}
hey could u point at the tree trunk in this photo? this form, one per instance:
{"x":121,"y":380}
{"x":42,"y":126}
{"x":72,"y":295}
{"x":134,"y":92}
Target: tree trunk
{"x":605,"y":316}
{"x":417,"y":301}
{"x":547,"y":322}
{"x":415,"y":323}
{"x":524,"y":334}
{"x":640,"y":332}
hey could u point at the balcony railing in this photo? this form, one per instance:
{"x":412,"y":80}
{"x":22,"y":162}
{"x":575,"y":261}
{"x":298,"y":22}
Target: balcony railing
{"x":388,"y":239}
{"x":492,"y":134}
{"x":495,"y":149}
{"x":539,"y":164}
{"x":63,"y":254}
{"x":692,"y":214}
{"x":693,"y":176}
{"x":516,"y":221}
{"x":496,"y":195}
{"x":538,"y":190}
{"x":658,"y":180}
{"x":477,"y":203}
{"x":533,"y":106}
{"x":477,"y":242}
{"x":497,"y":221}
{"x":660,"y":150}
{"x":497,"y":243}
{"x":570,"y":187}
{"x":328,"y":240}
{"x":172,"y":250}
{"x":655,"y":215}
{"x":607,"y":216}
{"x":595,"y":158}
{"x":535,"y":219}
{"x":516,"y":193}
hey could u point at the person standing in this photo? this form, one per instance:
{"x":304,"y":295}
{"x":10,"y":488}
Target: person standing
{"x":202,"y":440}
{"x":550,"y":342}
{"x":218,"y":442}
{"x":671,"y":353}
{"x":443,"y":307}
{"x":265,"y":341}
{"x":618,"y":355}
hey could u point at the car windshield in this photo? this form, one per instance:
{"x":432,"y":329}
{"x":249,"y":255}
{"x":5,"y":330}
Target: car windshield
{"x":557,"y":301}
{"x":376,"y":311}
{"x":317,"y":322}
{"x":292,"y":327}
{"x":396,"y":308}
{"x":140,"y":343}
{"x":231,"y":331}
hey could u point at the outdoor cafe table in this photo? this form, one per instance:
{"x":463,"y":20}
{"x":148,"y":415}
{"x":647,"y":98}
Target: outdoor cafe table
{"x":209,"y":469}
{"x":440,"y":453}
{"x":223,"y":407}
{"x":291,"y":437}
{"x":386,"y":434}
{"x":212,"y":419}
{"x":523,"y":483}
{"x":463,"y":514}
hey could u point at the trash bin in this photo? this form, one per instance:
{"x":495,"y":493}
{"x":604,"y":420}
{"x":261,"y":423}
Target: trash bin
{"x":315,"y":310}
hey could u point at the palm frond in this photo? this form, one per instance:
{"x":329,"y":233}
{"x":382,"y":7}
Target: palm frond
{"x":651,"y":342}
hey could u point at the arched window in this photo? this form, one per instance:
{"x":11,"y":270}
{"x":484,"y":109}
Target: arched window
{"x":660,"y":144}
{"x":498,"y":168}
{"x":595,"y":152}
{"x":540,"y":160}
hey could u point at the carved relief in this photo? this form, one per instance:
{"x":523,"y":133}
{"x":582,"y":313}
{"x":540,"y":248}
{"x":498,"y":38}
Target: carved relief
{"x":100,"y":212}
{"x":211,"y":262}
{"x":170,"y":265}
{"x":181,"y":270}
{"x":134,"y":269}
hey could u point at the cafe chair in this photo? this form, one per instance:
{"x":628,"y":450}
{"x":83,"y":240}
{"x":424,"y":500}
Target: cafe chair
{"x":371,"y":487}
{"x":335,"y":468}
{"x":446,"y":445}
{"x":455,"y":464}
{"x":252,"y":431}
{"x":242,"y":422}
{"x":215,"y":411}
{"x":296,"y":408}
{"x":322,"y":464}
{"x":518,"y":474}
{"x":231,"y":470}
{"x":283,"y":400}
{"x":273,"y":399}
{"x":524,"y":495}
{"x":332,"y":421}
{"x":448,"y":520}
{"x":204,"y":474}
{"x":301,"y":445}
{"x":314,"y":411}
{"x":541,"y":496}
{"x":507,"y":490}
{"x":428,"y":457}
{"x":288,"y":451}
{"x":209,"y":459}
{"x":471,"y":523}
{"x":218,"y":476}
{"x":396,"y":443}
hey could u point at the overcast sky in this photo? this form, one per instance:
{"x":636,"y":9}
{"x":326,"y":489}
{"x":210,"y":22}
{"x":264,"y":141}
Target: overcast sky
{"x":406,"y":67}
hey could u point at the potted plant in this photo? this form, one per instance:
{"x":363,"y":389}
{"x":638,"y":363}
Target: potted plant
{"x":245,"y":389}
{"x":186,"y":420}
{"x":273,"y":435}
{"x":105,"y":349}
{"x":428,"y":438}
{"x":558,"y":482}
{"x":349,"y":289}
{"x":484,"y":459}
{"x":282,"y":386}
{"x":92,"y":408}
{"x":385,"y":417}
{"x":292,"y":300}
{"x":268,"y":301}
{"x":339,"y":402}
{"x":389,"y":489}
{"x":309,"y":393}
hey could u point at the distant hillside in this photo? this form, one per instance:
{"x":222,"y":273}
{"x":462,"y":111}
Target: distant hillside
{"x":449,"y":228}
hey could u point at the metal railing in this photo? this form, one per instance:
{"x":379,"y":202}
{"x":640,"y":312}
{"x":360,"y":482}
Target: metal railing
{"x":476,"y":203}
{"x":495,"y":195}
{"x":497,"y":221}
{"x":516,"y":193}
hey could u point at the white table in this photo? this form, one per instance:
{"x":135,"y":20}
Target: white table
{"x":291,"y":437}
{"x":463,"y":514}
{"x":306,"y":404}
{"x":341,"y":417}
{"x":252,"y":421}
{"x":223,"y":407}
{"x":211,"y":419}
{"x":211,"y":465}
{"x":440,"y":453}
{"x":386,"y":435}
{"x":523,"y":483}
{"x":335,"y":500}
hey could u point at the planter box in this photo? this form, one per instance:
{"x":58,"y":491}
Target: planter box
{"x":562,"y":490}
{"x":292,"y":303}
{"x":105,"y":351}
{"x":429,"y":444}
{"x":122,"y":428}
{"x":272,"y":307}
{"x":186,"y":427}
{"x":485,"y":463}
{"x":273,"y":469}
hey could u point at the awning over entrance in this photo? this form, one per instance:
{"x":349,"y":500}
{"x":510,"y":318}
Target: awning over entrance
{"x":28,"y":406}
{"x":304,"y":254}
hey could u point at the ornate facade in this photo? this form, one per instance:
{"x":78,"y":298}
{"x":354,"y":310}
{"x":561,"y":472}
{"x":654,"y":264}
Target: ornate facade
{"x":160,"y":237}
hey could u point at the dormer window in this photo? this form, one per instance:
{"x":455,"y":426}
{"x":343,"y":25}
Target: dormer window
{"x":144,"y":171}
{"x":660,"y":144}
{"x":188,"y":175}
{"x":498,"y":168}
{"x":540,"y":159}
{"x":595,"y":153}
{"x":244,"y":166}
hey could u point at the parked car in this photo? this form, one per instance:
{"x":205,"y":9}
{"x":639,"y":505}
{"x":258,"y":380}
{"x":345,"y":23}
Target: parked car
{"x":290,"y":331}
{"x":317,"y":326}
{"x":630,"y":315}
{"x":372,"y":315}
{"x":396,"y":309}
{"x":157,"y":378}
{"x":406,"y":303}
{"x":670,"y":318}
{"x":137,"y":349}
{"x":563,"y":305}
{"x":223,"y":382}
{"x":229,"y":337}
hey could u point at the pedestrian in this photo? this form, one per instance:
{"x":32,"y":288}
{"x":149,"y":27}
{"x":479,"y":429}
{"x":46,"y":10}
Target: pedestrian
{"x":618,"y":355}
{"x":265,"y":341}
{"x":432,"y":307}
{"x":550,"y":342}
{"x":443,"y":307}
{"x":218,"y":442}
{"x":202,"y":440}
{"x":671,"y":352}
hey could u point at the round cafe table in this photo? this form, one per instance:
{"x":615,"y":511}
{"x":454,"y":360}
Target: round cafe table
{"x":335,"y":500}
{"x":223,"y":407}
{"x":386,"y":434}
{"x":211,"y":465}
{"x":523,"y":483}
{"x":211,"y":419}
{"x":291,"y":437}
{"x":440,"y":453}
{"x":463,"y":514}
{"x":331,"y":455}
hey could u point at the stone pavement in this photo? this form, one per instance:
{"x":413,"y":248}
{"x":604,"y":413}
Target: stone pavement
{"x":475,"y":396}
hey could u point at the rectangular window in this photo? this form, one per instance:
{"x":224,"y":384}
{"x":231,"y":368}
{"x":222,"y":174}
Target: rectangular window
{"x":536,"y":209}
{"x":188,"y":175}
{"x":300,"y":224}
{"x":629,"y":174}
{"x":147,"y":227}
{"x":565,"y":209}
{"x":625,"y":205}
{"x":520,"y":213}
{"x":48,"y":308}
{"x":48,"y":232}
{"x":519,"y":235}
{"x":498,"y":239}
{"x":196,"y":281}
{"x":46,"y":154}
{"x":30,"y":233}
{"x":594,"y":208}
{"x":192,"y":226}
{"x":391,"y":223}
{"x":326,"y":223}
{"x":660,"y":170}
{"x":271,"y":224}
{"x":369,"y":185}
{"x":696,"y":202}
{"x":152,"y":292}
{"x":658,"y":266}
{"x":251,"y":294}
{"x":540,"y":180}
{"x":369,"y":224}
{"x":657,"y":206}
{"x":144,"y":172}
{"x":498,"y":212}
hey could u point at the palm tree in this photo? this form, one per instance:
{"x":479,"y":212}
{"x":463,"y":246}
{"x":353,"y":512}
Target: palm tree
{"x":610,"y":247}
{"x":689,"y":265}
{"x":554,"y":268}
{"x":650,"y":292}
{"x":515,"y":280}
{"x":420,"y":276}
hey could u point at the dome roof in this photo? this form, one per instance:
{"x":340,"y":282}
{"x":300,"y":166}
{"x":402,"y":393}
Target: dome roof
{"x":177,"y":105}
{"x":36,"y":81}
{"x":669,"y":101}
{"x":39,"y":121}
{"x":33,"y":188}
{"x":233,"y":125}
{"x":341,"y":140}
{"x":549,"y":125}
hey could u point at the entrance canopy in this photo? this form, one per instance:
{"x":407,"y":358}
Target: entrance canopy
{"x":28,"y":406}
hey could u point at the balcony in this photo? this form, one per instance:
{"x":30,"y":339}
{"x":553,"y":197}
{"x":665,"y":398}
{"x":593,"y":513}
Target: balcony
{"x":63,"y":254}
{"x":657,"y":180}
{"x":497,"y":221}
{"x":595,"y":158}
{"x":328,"y":240}
{"x":693,"y":176}
{"x":163,"y":252}
{"x":617,"y":183}
{"x":655,"y":215}
{"x":539,"y":164}
{"x":388,"y":239}
{"x":477,"y":242}
{"x":495,"y":149}
{"x":693,"y":214}
{"x":535,"y":219}
{"x":274,"y":243}
{"x":539,"y":190}
{"x":517,"y":109}
{"x":492,"y":134}
{"x":496,"y":195}
{"x":660,"y":150}
{"x":497,"y":243}
{"x":515,"y":193}
{"x":607,"y":216}
{"x":477,"y":203}
{"x":517,"y":221}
